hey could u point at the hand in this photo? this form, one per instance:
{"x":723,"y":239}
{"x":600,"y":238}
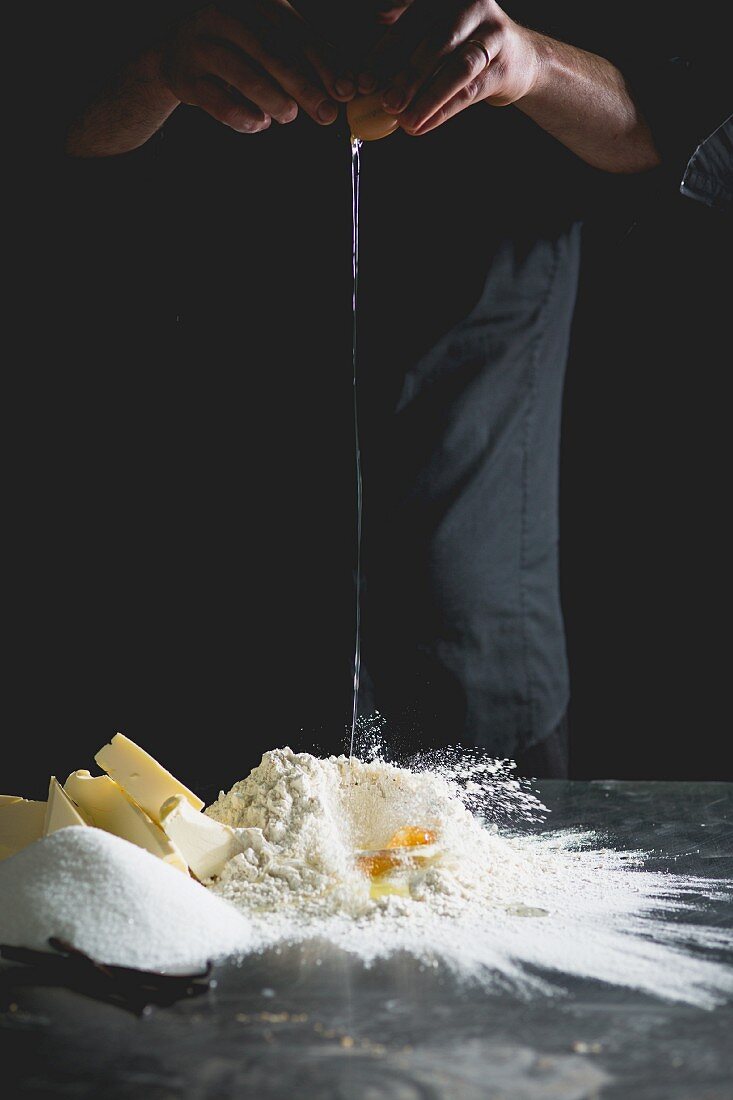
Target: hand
{"x":431,"y":63}
{"x":246,"y":71}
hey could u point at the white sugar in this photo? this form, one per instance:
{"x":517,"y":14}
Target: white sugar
{"x":493,"y":900}
{"x":113,"y":901}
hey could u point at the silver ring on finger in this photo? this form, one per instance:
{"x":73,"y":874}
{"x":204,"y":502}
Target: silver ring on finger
{"x":476,"y":42}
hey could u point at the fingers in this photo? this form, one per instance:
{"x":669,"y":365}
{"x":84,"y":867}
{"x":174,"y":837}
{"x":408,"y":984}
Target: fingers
{"x":291,"y":28}
{"x":212,"y":98}
{"x":340,"y":83}
{"x":454,"y":106}
{"x":296,"y":77}
{"x":396,"y":47}
{"x":432,"y":52}
{"x":301,"y":85}
{"x":403,"y":88}
{"x":465,"y":75}
{"x":255,"y":86}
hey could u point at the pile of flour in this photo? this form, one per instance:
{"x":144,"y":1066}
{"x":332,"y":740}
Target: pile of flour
{"x":302,"y":819}
{"x":117,"y":903}
{"x":496,"y":907}
{"x":493,"y":901}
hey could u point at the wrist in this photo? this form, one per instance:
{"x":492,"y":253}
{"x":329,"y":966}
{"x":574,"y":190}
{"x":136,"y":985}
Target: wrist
{"x":126,"y":114}
{"x":535,"y":50}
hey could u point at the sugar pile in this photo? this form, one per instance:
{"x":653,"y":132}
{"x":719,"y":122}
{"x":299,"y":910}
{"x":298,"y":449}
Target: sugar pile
{"x":115,"y":902}
{"x":497,"y":907}
{"x":492,"y":900}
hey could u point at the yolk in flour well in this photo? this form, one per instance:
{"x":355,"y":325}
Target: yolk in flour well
{"x":399,"y":851}
{"x":410,"y":836}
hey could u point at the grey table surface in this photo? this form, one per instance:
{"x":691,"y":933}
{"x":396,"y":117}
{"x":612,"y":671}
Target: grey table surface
{"x":307,"y":1023}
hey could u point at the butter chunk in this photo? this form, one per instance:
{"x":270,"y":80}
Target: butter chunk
{"x":204,"y":843}
{"x":21,"y":822}
{"x":110,"y":808}
{"x":142,"y":776}
{"x":61,"y":812}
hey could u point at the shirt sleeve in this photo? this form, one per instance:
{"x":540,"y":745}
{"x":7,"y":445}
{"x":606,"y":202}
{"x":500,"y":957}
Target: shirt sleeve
{"x":708,"y":177}
{"x":683,"y":101}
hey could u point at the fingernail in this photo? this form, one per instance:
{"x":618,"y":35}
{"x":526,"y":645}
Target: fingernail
{"x":393,"y":100}
{"x":367,"y":82}
{"x":327,"y":112}
{"x":345,"y":86}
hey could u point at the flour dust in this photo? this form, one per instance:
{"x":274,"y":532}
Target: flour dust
{"x":438,"y":860}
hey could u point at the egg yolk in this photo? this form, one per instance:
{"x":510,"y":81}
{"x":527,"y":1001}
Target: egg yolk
{"x":410,"y":836}
{"x":377,"y":863}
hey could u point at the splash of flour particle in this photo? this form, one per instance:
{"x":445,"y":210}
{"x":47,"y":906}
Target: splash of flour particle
{"x":487,"y":786}
{"x":497,"y":905}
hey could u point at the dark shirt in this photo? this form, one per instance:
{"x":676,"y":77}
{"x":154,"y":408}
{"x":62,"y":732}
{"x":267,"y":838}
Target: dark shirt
{"x":708,"y":177}
{"x":200,"y":448}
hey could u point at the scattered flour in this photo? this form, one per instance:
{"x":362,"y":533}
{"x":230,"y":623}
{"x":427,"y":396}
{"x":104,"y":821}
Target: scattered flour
{"x":496,"y":907}
{"x":115,"y":902}
{"x":497,"y":903}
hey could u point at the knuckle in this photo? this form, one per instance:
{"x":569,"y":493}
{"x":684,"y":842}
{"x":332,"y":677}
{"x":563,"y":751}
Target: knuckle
{"x":465,"y":66}
{"x":442,"y":42}
{"x":449,"y":39}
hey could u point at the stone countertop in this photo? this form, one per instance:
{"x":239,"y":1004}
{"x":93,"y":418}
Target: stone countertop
{"x":312,"y":1022}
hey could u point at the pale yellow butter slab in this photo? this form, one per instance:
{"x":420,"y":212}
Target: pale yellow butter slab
{"x":21,"y":822}
{"x":110,"y":808}
{"x":205,"y":844}
{"x":147,"y":781}
{"x":61,"y":812}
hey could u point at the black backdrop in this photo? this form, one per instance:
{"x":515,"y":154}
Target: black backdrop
{"x":645,"y":499}
{"x":645,"y":544}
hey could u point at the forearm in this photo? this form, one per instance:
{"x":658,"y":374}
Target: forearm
{"x":126,"y":114}
{"x":584,"y":101}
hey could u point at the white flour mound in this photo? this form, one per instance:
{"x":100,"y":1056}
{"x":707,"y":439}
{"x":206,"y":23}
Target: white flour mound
{"x":495,"y":908}
{"x":513,"y":909}
{"x":115,"y":902}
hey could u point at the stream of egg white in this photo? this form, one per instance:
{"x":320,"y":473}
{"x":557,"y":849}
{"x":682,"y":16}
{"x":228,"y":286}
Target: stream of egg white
{"x":355,"y":147}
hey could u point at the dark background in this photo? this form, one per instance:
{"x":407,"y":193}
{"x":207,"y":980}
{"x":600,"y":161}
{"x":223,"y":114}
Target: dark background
{"x":645,"y":530}
{"x":645,"y":548}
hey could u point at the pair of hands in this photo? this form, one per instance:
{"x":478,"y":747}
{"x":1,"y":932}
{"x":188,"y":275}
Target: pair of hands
{"x":267,"y":64}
